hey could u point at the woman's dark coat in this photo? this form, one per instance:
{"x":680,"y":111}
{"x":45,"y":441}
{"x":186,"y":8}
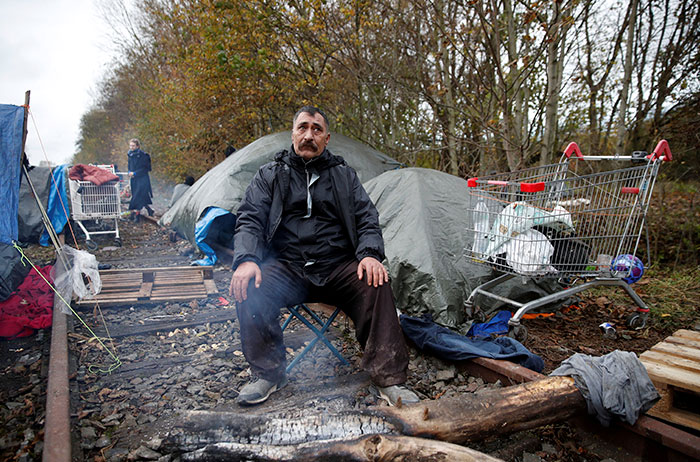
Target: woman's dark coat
{"x":141,"y":193}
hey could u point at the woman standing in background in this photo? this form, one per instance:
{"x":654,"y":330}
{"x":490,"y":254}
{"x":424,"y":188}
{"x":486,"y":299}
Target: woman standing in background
{"x":139,"y":166}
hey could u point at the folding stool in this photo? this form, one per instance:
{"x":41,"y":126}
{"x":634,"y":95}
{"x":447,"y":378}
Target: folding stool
{"x":298,"y":312}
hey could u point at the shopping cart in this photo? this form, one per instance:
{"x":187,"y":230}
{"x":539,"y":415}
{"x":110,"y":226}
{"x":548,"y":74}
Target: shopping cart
{"x":555,"y":222}
{"x":98,"y":204}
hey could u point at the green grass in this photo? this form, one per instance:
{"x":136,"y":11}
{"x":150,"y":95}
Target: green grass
{"x":673,"y":297}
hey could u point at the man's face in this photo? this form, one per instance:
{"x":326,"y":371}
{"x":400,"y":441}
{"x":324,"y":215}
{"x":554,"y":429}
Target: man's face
{"x":133,"y":145}
{"x":310,"y":135}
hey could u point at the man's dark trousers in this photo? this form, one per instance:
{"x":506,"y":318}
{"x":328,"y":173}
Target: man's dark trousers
{"x":371,"y":309}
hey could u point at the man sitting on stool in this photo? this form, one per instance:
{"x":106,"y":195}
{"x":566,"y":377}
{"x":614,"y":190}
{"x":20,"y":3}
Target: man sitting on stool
{"x":306,"y":230}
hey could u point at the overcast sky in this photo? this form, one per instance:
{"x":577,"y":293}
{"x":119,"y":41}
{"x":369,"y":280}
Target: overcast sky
{"x":59,"y":50}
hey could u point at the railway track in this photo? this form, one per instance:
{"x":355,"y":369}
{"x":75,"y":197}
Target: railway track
{"x":176,"y":355}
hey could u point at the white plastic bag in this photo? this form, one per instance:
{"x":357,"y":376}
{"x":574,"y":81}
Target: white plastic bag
{"x":529,"y":253}
{"x":81,"y":263}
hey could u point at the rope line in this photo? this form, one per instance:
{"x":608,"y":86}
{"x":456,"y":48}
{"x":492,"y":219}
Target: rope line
{"x":117,"y":362}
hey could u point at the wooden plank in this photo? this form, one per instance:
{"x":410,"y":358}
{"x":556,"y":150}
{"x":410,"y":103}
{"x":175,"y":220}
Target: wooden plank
{"x":164,"y":326}
{"x":164,"y":269}
{"x":154,"y":284}
{"x":671,"y":361}
{"x":679,"y":416}
{"x":683,"y":341}
{"x":689,"y":334}
{"x":145,"y":292}
{"x":677,"y":350}
{"x":674,"y":367}
{"x":210,"y":286}
{"x":670,"y":375}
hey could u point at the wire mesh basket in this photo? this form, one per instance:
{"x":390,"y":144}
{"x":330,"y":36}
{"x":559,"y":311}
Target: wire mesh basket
{"x":552,"y":221}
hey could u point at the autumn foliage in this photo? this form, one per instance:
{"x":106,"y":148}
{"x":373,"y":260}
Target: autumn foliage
{"x":462,"y":87}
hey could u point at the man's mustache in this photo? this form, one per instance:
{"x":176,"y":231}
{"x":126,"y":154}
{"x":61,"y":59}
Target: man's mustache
{"x":309,"y":143}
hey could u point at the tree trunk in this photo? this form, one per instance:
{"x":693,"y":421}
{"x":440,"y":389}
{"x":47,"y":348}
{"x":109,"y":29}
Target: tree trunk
{"x":555,"y":69}
{"x":626,"y":81}
{"x":459,"y":420}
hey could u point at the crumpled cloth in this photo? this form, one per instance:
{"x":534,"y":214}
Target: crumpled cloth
{"x":95,"y":175}
{"x":28,"y":308}
{"x":616,"y":384}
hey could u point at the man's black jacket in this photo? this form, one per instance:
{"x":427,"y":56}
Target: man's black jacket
{"x":262,"y":209}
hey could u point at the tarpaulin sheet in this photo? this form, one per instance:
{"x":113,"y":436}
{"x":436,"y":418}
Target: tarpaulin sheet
{"x":11,"y":127}
{"x":205,"y":232}
{"x":59,"y":208}
{"x":29,"y":308}
{"x":29,"y":222}
{"x":12,"y":270}
{"x":224,"y":185}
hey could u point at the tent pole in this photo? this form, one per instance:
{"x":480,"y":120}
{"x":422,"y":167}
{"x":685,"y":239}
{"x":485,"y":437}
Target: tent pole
{"x":24,"y":126}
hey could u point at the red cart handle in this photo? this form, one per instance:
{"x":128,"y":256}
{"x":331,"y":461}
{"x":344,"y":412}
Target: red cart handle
{"x":661,"y":151}
{"x":572,"y":148}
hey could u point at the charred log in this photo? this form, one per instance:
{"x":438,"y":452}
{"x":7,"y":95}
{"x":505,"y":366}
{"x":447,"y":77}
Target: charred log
{"x":459,"y":420}
{"x":376,"y":448}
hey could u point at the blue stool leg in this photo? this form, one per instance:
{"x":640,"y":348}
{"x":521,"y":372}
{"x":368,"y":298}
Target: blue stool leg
{"x":320,"y":333}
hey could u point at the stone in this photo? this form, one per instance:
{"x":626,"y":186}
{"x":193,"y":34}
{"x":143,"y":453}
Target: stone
{"x":116,"y":454}
{"x":154,"y":443}
{"x":88,"y":433}
{"x":102,"y":442}
{"x":142,"y":452}
{"x":445,"y":374}
{"x":529,"y":457}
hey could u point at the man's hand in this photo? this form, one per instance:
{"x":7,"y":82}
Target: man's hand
{"x":240,"y":279}
{"x":376,"y":273}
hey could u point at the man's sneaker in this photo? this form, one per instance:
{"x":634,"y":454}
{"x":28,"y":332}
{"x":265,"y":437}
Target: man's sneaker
{"x":392,"y":394}
{"x":258,"y":391}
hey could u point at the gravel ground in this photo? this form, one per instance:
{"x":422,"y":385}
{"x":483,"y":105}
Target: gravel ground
{"x":119,"y":416}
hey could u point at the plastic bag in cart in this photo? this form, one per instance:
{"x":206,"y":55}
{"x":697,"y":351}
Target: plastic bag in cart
{"x":518,"y":217}
{"x":529,"y":253}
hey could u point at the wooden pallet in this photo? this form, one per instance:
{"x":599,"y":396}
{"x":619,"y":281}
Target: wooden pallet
{"x":674,"y":367}
{"x":148,"y":285}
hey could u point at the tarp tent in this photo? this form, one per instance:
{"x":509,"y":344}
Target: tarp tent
{"x":224,"y":185}
{"x":12,"y":271}
{"x":29,"y":222}
{"x":11,"y":134}
{"x":426,"y":223}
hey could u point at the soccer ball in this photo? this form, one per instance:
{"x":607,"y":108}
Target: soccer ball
{"x":628,"y":265}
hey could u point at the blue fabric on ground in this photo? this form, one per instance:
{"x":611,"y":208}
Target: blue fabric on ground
{"x":201,"y":231}
{"x":58,"y":209}
{"x":11,"y":127}
{"x":448,"y":345}
{"x":497,"y":325}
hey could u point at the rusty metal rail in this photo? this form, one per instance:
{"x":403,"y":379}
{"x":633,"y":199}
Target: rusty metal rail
{"x":57,"y":441}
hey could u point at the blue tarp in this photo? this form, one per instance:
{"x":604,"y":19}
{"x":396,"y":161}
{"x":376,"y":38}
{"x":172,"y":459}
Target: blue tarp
{"x":11,"y":127}
{"x":203,"y":230}
{"x":445,"y":344}
{"x":58,"y":209}
{"x":498,"y":325}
